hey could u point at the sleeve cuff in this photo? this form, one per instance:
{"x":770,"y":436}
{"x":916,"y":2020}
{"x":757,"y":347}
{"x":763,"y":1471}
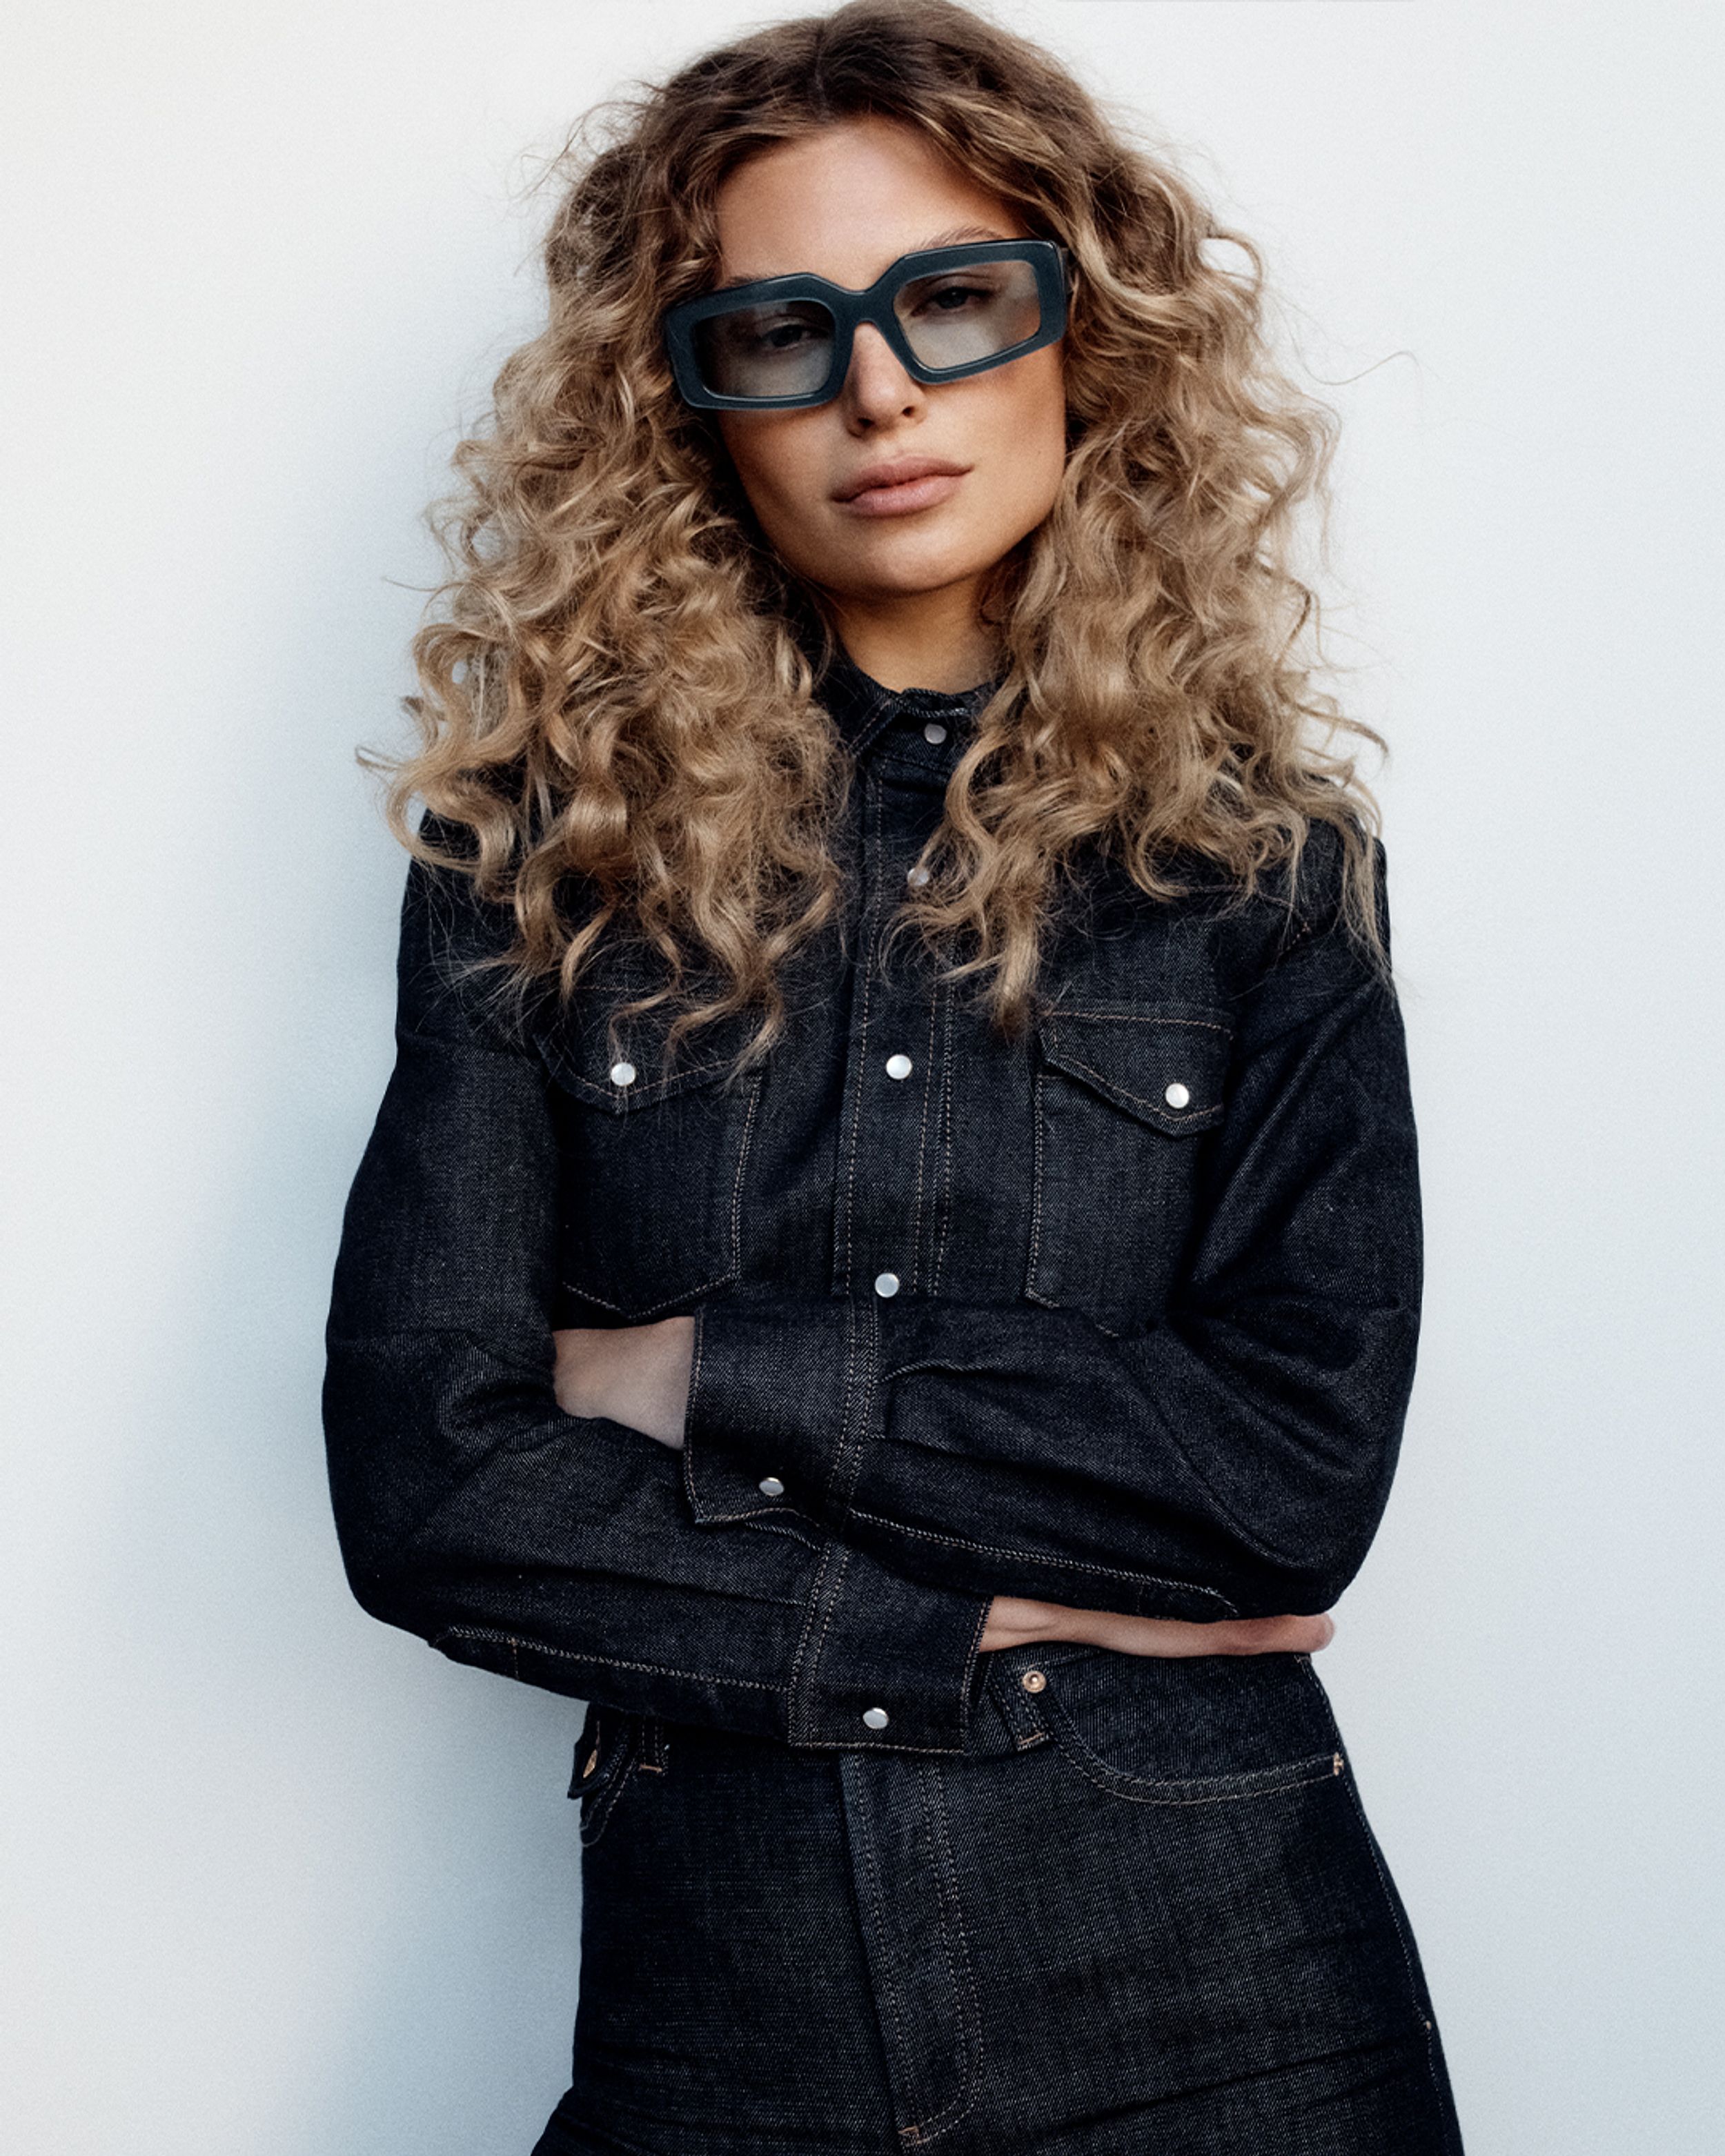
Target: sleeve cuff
{"x":888,"y":1664}
{"x":775,"y":1405}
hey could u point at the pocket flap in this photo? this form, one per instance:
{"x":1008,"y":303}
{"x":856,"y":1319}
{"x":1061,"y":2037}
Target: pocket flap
{"x":1164,"y":1066}
{"x":577,"y":1049}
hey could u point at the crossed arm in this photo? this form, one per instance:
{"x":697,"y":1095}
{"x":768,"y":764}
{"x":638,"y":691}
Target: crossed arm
{"x":638,"y":1375}
{"x":491,"y":1493}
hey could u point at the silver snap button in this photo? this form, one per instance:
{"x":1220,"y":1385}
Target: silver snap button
{"x":886,"y":1283}
{"x":898,"y":1066}
{"x":622,"y":1074}
{"x":876,"y":1718}
{"x":770,"y":1486}
{"x":917,"y":876}
{"x":934,"y":731}
{"x":1178,"y":1096}
{"x":1034,"y":1681}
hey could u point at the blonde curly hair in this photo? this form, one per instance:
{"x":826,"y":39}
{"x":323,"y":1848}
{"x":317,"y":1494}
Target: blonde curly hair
{"x":618,"y":729}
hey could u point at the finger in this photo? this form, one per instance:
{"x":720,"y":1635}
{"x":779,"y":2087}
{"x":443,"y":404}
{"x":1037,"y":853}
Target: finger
{"x":1180,"y":1637}
{"x":1277,"y":1635}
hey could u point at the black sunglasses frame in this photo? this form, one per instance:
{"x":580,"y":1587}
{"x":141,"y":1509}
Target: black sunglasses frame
{"x":873,"y":304}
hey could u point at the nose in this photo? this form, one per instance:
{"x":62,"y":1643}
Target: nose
{"x":877,"y":388}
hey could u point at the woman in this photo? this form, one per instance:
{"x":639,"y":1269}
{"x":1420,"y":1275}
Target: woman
{"x":888,"y":1261}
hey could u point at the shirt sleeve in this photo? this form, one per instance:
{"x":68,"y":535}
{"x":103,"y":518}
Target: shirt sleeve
{"x":1232,"y":1459}
{"x":557,"y":1549}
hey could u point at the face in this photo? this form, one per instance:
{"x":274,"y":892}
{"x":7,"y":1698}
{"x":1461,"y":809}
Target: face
{"x":846,"y":204}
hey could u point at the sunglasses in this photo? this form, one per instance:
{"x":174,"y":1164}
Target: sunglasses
{"x":945,"y":311}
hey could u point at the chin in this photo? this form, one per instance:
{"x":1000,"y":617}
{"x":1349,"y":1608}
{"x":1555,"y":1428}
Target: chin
{"x":915,"y":564}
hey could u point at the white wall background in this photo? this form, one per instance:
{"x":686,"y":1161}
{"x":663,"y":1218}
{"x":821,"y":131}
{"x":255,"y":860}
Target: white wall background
{"x":285,"y":1883}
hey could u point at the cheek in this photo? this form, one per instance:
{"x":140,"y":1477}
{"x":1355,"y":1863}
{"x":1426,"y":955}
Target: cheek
{"x":777,"y":465}
{"x":1030,"y":429}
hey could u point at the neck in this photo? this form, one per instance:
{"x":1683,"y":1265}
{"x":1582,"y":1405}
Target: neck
{"x":918,"y":640}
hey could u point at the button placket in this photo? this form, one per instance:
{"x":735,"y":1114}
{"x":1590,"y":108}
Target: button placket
{"x":884,"y":1183}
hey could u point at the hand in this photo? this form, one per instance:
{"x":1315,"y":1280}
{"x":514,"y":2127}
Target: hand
{"x":634,"y":1374}
{"x":1013,"y":1621}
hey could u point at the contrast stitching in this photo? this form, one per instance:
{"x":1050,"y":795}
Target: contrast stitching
{"x":849,"y":1463}
{"x":1159,"y":1109}
{"x":856,"y":1105}
{"x":742,"y":1161}
{"x":1051,"y":1018}
{"x":801,"y":1711}
{"x":799,"y":1706}
{"x":835,"y":1475}
{"x":645,"y":1310}
{"x":1191,"y":1789}
{"x":873,"y":1889}
{"x":733,"y":1260}
{"x":916,"y":1214}
{"x":608,"y":1661}
{"x":939,"y":1845}
{"x":1037,"y":1173}
{"x":647,"y":1093}
{"x":943,"y":1002}
{"x":1039,"y":1556}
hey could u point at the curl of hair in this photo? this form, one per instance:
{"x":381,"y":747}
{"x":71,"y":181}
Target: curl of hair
{"x":615,"y":701}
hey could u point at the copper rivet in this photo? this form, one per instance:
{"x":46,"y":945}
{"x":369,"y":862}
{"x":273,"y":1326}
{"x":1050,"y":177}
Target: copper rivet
{"x":1033,"y":1681}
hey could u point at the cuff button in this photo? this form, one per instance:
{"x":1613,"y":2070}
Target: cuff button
{"x":876,"y":1718}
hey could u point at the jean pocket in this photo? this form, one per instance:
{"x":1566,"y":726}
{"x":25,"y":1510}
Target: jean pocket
{"x":1201,"y":1730}
{"x":1124,"y":1094}
{"x":607,"y":1752}
{"x":651,"y":1164}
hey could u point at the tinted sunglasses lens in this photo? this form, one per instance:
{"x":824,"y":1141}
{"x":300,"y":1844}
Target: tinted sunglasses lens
{"x":958,"y":317}
{"x":784,"y":350}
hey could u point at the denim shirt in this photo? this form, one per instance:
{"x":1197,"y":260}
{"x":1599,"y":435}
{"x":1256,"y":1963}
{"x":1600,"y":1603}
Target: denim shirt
{"x":1121,"y":1314}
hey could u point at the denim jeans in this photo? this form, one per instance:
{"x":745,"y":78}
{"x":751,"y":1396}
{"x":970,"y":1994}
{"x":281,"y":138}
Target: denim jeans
{"x":1143,"y":1916}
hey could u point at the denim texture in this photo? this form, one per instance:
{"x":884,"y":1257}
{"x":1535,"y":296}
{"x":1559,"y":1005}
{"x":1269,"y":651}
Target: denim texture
{"x":1157,"y":1268}
{"x":1144,"y":1912}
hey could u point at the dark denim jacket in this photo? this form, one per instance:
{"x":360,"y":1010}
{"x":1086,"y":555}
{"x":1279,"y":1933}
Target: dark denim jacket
{"x":1122,"y":1314}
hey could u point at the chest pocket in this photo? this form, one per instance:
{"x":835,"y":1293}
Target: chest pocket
{"x":1123,"y":1093}
{"x":651,"y":1165}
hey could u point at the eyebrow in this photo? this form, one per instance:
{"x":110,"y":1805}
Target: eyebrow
{"x":956,"y":237}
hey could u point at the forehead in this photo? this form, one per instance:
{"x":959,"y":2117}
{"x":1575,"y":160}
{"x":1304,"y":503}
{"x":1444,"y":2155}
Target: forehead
{"x":847,"y":201}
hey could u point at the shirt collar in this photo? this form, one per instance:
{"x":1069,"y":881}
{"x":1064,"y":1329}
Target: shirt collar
{"x":863,"y":708}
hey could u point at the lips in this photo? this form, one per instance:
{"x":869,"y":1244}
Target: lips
{"x":900,"y":471}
